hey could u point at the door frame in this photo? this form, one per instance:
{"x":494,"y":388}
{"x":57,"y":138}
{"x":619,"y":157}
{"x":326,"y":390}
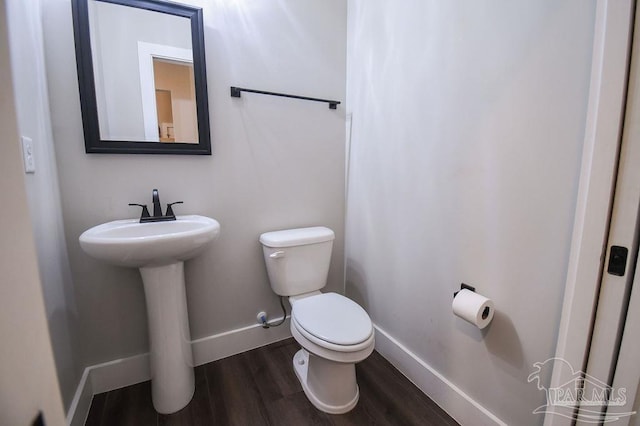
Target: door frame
{"x":603,"y":133}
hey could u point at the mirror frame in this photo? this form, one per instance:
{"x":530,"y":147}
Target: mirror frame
{"x":86,"y":82}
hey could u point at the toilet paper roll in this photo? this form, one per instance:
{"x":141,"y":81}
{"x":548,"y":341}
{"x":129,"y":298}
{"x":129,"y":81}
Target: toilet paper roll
{"x":474,"y":308}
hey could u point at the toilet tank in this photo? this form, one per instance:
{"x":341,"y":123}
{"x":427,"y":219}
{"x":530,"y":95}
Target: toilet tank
{"x":297,"y":259}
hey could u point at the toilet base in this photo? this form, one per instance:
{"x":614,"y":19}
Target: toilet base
{"x":330,"y":386}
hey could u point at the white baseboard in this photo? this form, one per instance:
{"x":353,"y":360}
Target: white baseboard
{"x":222,"y":345}
{"x":464,"y":409}
{"x":129,"y":371}
{"x":119,"y":373}
{"x":77,"y":414}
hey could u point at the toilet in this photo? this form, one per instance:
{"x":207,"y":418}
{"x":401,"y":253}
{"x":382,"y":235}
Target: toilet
{"x":335,"y":332}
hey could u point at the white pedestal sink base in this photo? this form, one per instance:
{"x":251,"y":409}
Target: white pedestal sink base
{"x":172,"y":377}
{"x":130,"y":243}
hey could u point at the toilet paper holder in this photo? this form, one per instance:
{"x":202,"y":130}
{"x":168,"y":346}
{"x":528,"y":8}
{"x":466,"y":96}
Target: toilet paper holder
{"x":486,"y":311}
{"x":464,"y":286}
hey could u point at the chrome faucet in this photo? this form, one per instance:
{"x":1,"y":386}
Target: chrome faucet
{"x":157,"y":210}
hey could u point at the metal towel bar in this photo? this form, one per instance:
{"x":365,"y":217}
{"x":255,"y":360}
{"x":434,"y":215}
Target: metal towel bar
{"x":235,"y":93}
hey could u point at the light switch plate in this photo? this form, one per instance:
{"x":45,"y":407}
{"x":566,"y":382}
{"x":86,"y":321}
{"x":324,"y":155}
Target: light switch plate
{"x":27,"y":155}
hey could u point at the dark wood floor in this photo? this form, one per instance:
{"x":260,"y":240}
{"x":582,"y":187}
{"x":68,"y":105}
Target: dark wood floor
{"x":259,"y":387}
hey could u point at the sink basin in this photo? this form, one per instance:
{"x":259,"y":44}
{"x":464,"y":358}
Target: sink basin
{"x":133,"y":244}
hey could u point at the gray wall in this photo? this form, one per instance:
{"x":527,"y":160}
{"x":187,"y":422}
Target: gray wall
{"x":276,"y":163}
{"x":28,"y":383}
{"x":467,"y":127}
{"x":30,"y":87}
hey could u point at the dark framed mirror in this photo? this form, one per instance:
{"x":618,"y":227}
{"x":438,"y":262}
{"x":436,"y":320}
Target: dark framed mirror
{"x":142,"y":77}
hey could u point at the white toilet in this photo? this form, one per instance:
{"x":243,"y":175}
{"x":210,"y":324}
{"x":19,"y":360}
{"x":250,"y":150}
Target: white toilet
{"x":334,"y":331}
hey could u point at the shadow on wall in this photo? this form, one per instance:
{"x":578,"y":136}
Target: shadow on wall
{"x":60,"y":325}
{"x":355,"y":286}
{"x":500,"y":338}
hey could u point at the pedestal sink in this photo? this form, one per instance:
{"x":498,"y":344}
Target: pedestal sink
{"x":159,"y":250}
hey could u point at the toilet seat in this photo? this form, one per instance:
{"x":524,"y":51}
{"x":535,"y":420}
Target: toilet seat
{"x":333,"y":321}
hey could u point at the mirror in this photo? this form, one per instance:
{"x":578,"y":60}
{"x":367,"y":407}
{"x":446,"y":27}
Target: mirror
{"x":142,"y":77}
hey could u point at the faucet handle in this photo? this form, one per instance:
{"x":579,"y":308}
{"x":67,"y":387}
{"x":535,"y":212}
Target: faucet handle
{"x":145,"y":211}
{"x":170,"y":210}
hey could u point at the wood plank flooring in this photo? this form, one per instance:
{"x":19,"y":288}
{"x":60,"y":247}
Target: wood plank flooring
{"x":259,"y":387}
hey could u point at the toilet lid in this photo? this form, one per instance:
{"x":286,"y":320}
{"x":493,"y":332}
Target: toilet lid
{"x":333,"y":318}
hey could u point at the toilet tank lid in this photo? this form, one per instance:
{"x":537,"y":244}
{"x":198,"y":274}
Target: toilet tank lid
{"x":297,"y":237}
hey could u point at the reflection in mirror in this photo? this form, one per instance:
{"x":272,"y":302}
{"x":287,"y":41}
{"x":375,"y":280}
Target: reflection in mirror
{"x":165,"y":116}
{"x":170,"y":69}
{"x":175,"y":101}
{"x":175,"y":80}
{"x":143,"y":60}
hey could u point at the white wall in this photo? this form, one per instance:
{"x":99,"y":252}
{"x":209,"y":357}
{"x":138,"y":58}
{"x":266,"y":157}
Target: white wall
{"x":277,"y":163}
{"x":28,"y":381}
{"x":467,"y":126}
{"x":30,"y":87}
